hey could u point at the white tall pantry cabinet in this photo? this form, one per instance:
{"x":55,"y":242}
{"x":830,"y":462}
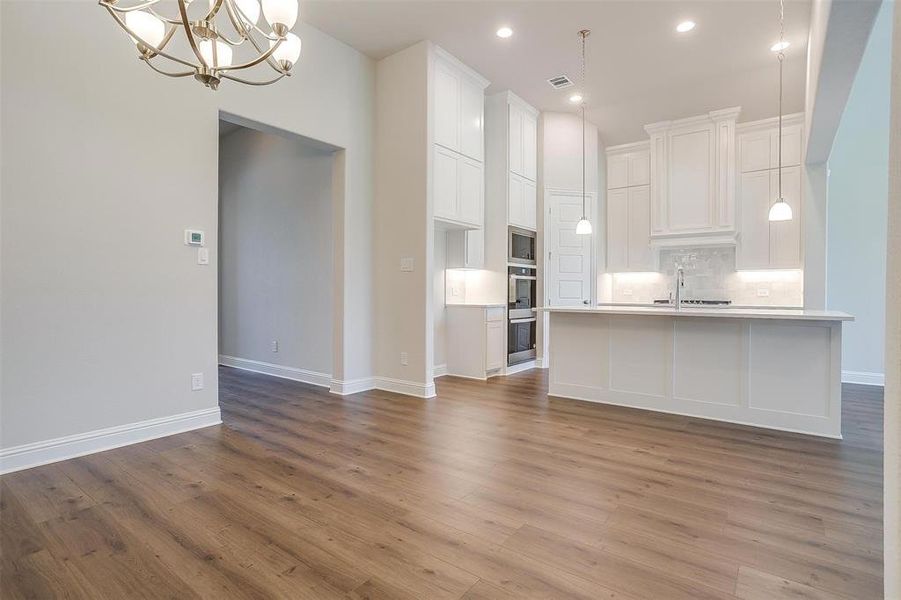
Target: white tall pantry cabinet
{"x":513,"y":144}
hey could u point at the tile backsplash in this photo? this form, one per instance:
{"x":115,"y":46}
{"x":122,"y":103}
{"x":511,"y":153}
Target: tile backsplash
{"x":710,"y":275}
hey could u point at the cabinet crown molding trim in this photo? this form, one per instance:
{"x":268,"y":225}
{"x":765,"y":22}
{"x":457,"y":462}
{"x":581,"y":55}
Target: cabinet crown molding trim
{"x":630,"y":147}
{"x":770,"y":122}
{"x":714,"y":115}
{"x":446,"y":56}
{"x":514,"y":99}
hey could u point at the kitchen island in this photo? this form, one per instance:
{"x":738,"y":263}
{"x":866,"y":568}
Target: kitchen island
{"x":773,"y":368}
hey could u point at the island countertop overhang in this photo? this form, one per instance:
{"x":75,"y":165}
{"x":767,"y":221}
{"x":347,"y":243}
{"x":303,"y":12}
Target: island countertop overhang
{"x":781,"y":314}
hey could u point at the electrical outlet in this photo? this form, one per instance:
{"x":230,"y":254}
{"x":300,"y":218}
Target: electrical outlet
{"x":455,"y":290}
{"x":404,"y":359}
{"x":627,"y":292}
{"x":274,"y":346}
{"x":196,"y":381}
{"x":406,"y":265}
{"x":763,"y":292}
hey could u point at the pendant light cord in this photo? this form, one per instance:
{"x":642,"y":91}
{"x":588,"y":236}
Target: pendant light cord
{"x":781,"y":61}
{"x":583,"y":34}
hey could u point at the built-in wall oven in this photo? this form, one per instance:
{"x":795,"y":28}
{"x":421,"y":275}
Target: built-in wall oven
{"x":521,"y":247}
{"x":521,"y":327}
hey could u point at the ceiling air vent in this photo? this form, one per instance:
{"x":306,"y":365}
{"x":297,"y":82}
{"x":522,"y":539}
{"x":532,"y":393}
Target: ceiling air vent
{"x":560,"y":81}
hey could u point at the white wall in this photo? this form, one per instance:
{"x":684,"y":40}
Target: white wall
{"x":403,"y":219}
{"x":858,"y":197}
{"x":439,"y":264}
{"x":105,"y":313}
{"x":275,"y":250}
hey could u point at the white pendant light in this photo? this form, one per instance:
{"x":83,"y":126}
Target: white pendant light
{"x":583,"y":227}
{"x":781,"y":211}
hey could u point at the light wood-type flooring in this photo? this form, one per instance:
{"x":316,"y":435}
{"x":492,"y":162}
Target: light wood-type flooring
{"x":491,"y":490}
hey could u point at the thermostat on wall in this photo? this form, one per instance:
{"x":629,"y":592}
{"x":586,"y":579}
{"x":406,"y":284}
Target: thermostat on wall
{"x":193,"y":237}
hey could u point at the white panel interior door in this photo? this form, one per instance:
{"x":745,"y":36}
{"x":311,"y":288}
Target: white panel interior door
{"x":569,"y":261}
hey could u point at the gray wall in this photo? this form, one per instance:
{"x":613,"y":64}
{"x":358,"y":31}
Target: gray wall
{"x":275,"y":250}
{"x":857,"y":204}
{"x":105,"y":313}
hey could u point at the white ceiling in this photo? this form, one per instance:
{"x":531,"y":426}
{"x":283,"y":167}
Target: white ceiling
{"x":639,"y":69}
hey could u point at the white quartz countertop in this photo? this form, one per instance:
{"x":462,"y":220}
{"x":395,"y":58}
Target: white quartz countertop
{"x":475,"y":305}
{"x":785,"y":314}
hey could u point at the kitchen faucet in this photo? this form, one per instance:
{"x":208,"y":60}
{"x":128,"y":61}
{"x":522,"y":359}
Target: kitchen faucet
{"x":680,"y":283}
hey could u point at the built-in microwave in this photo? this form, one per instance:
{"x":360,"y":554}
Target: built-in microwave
{"x":521,"y":247}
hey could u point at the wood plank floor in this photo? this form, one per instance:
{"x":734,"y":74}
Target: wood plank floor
{"x":491,"y":490}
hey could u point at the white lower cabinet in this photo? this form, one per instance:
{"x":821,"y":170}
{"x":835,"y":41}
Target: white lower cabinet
{"x":458,"y":187}
{"x":629,"y":229}
{"x":475,"y":340}
{"x":762,"y":244}
{"x":523,"y":202}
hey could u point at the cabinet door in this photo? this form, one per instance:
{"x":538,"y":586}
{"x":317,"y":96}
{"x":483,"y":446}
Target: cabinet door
{"x":444,"y":182}
{"x":785,"y":236}
{"x":471,"y":106}
{"x":639,"y":168}
{"x":618,"y":230}
{"x":471,"y":187}
{"x":529,"y":205}
{"x":447,"y":107}
{"x":692,"y":166}
{"x":494,"y":345}
{"x":465,"y":249}
{"x":754,"y":150}
{"x":515,"y":140}
{"x":754,"y":205}
{"x":791,"y":147}
{"x":529,"y":147}
{"x":515,"y":205}
{"x":640,"y":257}
{"x":617,"y":171}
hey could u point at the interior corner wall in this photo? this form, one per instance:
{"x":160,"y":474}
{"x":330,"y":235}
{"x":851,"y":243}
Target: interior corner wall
{"x":106,"y":313}
{"x":275,"y":251}
{"x":857,"y":205}
{"x":402,"y":227}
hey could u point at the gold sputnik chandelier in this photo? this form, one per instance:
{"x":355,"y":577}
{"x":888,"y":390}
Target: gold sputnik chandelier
{"x":210,"y":48}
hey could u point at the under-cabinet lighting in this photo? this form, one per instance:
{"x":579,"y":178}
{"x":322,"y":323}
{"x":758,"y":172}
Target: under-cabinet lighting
{"x":636,"y":276}
{"x":771,"y":275}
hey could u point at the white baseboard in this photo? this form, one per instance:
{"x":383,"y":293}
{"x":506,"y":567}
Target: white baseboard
{"x":863,"y":378}
{"x":439,"y":370}
{"x":351,"y":386}
{"x":409,"y":388}
{"x":520,"y":367}
{"x":292,"y":373}
{"x":72,"y":446}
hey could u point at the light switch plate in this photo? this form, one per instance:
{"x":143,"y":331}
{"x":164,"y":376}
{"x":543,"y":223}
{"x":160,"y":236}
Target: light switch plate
{"x":406,"y":264}
{"x":196,"y":382}
{"x":763,"y":292}
{"x":203,"y":256}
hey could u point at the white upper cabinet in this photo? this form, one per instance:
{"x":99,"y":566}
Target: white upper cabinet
{"x":522,"y":202}
{"x":629,"y":229}
{"x":765,"y":244}
{"x":465,"y":249}
{"x":523,"y":141}
{"x":692,"y":178}
{"x":458,"y":188}
{"x":458,"y":174}
{"x":628,"y":168}
{"x":758,"y":144}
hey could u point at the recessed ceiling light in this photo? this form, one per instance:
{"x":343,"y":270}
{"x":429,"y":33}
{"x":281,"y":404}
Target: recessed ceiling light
{"x":504,"y":32}
{"x":779,"y":46}
{"x":575,"y":98}
{"x":685,"y":26}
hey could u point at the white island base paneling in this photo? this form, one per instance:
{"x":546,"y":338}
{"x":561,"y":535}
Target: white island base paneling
{"x":779,"y":374}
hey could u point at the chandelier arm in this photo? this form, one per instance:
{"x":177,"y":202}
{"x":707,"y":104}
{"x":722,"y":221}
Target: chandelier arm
{"x":238,"y":20}
{"x":257,"y":83}
{"x":164,"y":42}
{"x":154,"y":49}
{"x":166,"y":73}
{"x":164,"y":18}
{"x":263,"y":57}
{"x":214,"y":10}
{"x":260,"y":49}
{"x":183,"y":10}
